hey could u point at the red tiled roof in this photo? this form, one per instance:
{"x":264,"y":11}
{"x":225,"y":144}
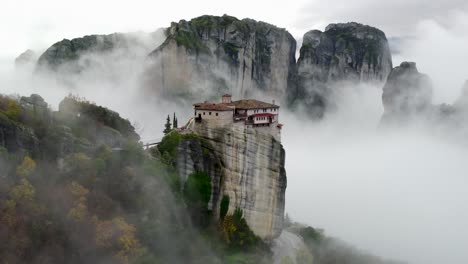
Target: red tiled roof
{"x":279,"y":125}
{"x":263,"y":114}
{"x":240,"y":104}
{"x":213,"y":107}
{"x":252,"y":104}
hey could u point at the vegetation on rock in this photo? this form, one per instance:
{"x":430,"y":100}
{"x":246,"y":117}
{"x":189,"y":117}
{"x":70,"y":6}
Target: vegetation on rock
{"x":63,"y":202}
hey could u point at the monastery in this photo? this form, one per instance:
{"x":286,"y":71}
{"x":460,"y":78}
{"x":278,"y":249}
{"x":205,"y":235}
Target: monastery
{"x":251,"y":112}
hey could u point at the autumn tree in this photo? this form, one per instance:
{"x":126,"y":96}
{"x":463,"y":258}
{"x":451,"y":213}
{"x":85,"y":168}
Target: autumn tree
{"x":26,"y":167}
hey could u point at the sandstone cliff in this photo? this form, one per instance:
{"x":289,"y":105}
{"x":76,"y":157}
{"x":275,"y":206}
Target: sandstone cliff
{"x":406,"y":94}
{"x":209,"y":55}
{"x":348,"y":52}
{"x":244,"y":163}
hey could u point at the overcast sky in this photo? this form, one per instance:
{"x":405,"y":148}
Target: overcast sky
{"x":37,"y":24}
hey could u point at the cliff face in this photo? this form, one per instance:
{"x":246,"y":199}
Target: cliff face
{"x":348,"y":52}
{"x":406,"y":94}
{"x":70,"y":55}
{"x":244,"y":163}
{"x":210,"y":55}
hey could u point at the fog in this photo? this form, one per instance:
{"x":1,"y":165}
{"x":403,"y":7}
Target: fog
{"x":399,"y":194}
{"x":111,"y":79}
{"x":440,"y":51}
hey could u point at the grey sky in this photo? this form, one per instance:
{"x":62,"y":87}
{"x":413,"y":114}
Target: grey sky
{"x":37,"y":24}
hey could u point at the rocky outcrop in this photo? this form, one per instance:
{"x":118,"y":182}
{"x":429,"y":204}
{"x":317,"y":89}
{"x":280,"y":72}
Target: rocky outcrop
{"x":244,"y":163}
{"x":210,"y":55}
{"x":26,"y":58}
{"x":348,"y":52}
{"x":28,"y":126}
{"x":69,"y":55}
{"x":16,"y":137}
{"x":406,"y":94}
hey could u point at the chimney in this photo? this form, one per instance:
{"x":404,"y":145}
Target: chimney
{"x":273,"y":101}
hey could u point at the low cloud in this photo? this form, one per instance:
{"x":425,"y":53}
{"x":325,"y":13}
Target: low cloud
{"x":398,"y":194}
{"x":396,"y":18}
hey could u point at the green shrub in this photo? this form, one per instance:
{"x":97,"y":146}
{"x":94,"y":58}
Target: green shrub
{"x":223,"y":207}
{"x":311,"y":234}
{"x":197,"y":189}
{"x":237,"y":234}
{"x":170,"y":143}
{"x":197,"y":194}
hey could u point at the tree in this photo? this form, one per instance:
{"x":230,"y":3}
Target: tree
{"x":167,"y":126}
{"x":26,"y":168}
{"x":174,"y":122}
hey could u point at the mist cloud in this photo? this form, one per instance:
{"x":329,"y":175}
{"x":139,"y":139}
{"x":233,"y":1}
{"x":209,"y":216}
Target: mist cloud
{"x":439,"y":51}
{"x":398,"y":194}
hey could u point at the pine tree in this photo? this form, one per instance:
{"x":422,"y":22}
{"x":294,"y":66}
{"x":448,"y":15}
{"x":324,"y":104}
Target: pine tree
{"x":167,"y":126}
{"x":174,"y":122}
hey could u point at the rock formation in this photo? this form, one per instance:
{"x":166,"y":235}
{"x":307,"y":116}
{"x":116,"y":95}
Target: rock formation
{"x":69,"y":55}
{"x":244,"y":163}
{"x":348,"y":52}
{"x":76,"y":127}
{"x":209,"y":55}
{"x":26,"y":58}
{"x":406,"y":94}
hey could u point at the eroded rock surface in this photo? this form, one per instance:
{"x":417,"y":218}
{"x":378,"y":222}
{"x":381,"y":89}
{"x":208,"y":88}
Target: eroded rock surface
{"x":210,"y":55}
{"x":244,"y":163}
{"x":343,"y":53}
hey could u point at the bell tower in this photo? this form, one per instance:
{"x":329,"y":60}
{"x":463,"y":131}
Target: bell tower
{"x":226,"y":99}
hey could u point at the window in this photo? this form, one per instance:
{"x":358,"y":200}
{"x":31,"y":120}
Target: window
{"x":203,"y":113}
{"x":209,"y":113}
{"x":216,"y":114}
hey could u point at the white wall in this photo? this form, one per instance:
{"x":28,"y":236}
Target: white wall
{"x":268,"y":110}
{"x":215,"y":115}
